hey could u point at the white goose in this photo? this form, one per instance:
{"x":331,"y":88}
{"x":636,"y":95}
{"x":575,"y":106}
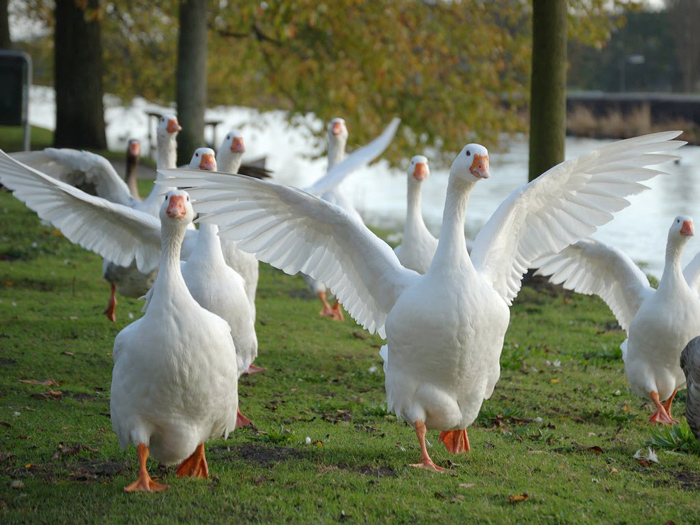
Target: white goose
{"x":444,"y":329}
{"x":220,"y":289}
{"x":659,"y":323}
{"x":174,"y":382}
{"x":328,"y":187}
{"x":228,"y":158}
{"x":418,"y":246}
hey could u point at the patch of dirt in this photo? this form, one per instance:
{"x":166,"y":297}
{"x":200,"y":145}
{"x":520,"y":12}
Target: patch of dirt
{"x":257,"y":454}
{"x":7,"y":361}
{"x":80,"y":396}
{"x":96,"y":471}
{"x":378,"y":472}
{"x":687,"y":480}
{"x":542,"y":284}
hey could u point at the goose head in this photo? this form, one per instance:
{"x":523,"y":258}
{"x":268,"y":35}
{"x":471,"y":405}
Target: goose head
{"x":133,"y":149}
{"x":168,"y":126}
{"x":233,"y":142}
{"x":418,"y":169}
{"x":203,"y":159}
{"x":472,"y":163}
{"x":337,"y":132}
{"x":682,"y":228}
{"x":177,"y":206}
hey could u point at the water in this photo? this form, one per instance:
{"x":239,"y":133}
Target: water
{"x":379,"y":192}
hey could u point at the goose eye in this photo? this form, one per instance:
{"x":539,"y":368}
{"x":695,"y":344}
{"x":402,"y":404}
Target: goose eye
{"x":166,"y":197}
{"x":196,"y":154}
{"x":469,"y":153}
{"x":188,"y":198}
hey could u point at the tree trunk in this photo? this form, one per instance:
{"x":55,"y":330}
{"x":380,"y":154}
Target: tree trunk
{"x":5,"y":41}
{"x":191,"y":91}
{"x":548,"y":88}
{"x":78,"y":77}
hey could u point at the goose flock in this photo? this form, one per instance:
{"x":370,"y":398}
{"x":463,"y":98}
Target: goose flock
{"x":443,"y":309}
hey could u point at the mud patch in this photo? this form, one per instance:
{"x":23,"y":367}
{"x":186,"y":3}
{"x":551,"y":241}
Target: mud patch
{"x":687,"y":480}
{"x":96,"y":471}
{"x":256,"y":454}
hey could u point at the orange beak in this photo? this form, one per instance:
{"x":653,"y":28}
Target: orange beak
{"x":208,"y":162}
{"x":687,"y":228}
{"x":237,"y":146}
{"x":176,"y":207}
{"x":134,"y":148}
{"x":337,"y":128}
{"x":173,"y":126}
{"x":420,"y":173}
{"x":480,"y":167}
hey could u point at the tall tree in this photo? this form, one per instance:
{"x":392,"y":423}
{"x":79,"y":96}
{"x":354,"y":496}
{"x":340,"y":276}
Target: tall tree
{"x":5,"y":41}
{"x":78,"y":75}
{"x":191,"y":90}
{"x":685,"y":17}
{"x":548,"y":85}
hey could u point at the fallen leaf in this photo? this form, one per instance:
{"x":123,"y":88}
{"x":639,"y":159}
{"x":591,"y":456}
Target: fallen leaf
{"x":56,"y":233}
{"x":518,"y":498}
{"x":69,"y":354}
{"x":5,"y":424}
{"x":596,"y":449}
{"x":48,"y":395}
{"x":45,"y":382}
{"x":457,"y":498}
{"x":16,"y":484}
{"x":467,"y":485}
{"x":650,"y":457}
{"x":359,"y":335}
{"x":613,"y":470}
{"x":66,"y":451}
{"x":554,"y":380}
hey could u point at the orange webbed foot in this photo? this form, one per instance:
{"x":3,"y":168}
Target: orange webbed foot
{"x":144,"y":483}
{"x":111,"y":310}
{"x":252,"y":369}
{"x":195,"y":466}
{"x":661,"y":416}
{"x":241,"y":420}
{"x":456,"y":441}
{"x":429,"y":465}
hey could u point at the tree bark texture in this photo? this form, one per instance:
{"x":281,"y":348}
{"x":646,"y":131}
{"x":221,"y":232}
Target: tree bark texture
{"x":548,"y":87}
{"x":78,"y":77}
{"x":5,"y":41}
{"x":191,"y":90}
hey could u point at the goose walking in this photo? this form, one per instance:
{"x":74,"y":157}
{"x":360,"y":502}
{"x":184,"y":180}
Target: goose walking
{"x":444,"y":329}
{"x":659,"y":323}
{"x":174,"y":382}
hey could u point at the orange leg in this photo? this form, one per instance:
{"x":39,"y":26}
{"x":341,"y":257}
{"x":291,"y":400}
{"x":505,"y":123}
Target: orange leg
{"x":660,"y":416}
{"x":427,"y":462}
{"x":253,"y":368}
{"x":241,"y":420}
{"x":337,"y":312}
{"x":456,"y":441}
{"x":195,"y":466}
{"x":667,"y":406}
{"x":326,"y":311}
{"x":111,"y":310}
{"x":144,"y":483}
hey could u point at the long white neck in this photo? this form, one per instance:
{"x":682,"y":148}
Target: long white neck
{"x":209,"y":243}
{"x":167,"y":159}
{"x":228,"y":162}
{"x":452,"y":246}
{"x":673,"y":272}
{"x":414,"y":215}
{"x":336,"y":151}
{"x":169,"y":282}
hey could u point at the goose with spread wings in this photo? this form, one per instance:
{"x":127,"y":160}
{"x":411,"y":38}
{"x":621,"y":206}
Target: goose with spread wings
{"x":444,"y":329}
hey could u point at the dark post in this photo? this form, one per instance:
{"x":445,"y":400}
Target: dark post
{"x":548,"y":87}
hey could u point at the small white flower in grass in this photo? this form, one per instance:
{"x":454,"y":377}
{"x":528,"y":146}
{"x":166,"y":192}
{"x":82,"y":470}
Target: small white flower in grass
{"x":372,"y":369}
{"x":14,"y":303}
{"x":556,"y":363}
{"x":66,"y":261}
{"x":307,"y":440}
{"x":594,"y":480}
{"x":16,"y":414}
{"x":35,"y":244}
{"x":651,"y":455}
{"x":538,"y":420}
{"x":617,"y":393}
{"x":131,"y":315}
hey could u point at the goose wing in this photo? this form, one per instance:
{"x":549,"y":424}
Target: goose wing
{"x":298,"y":232}
{"x":87,"y":171}
{"x":692,"y":273}
{"x":114,"y":231}
{"x":355,"y":160}
{"x":564,"y":205}
{"x":591,"y":267}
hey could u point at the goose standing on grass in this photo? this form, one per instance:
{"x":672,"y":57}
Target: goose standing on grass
{"x":133,"y":154}
{"x":444,"y":329}
{"x":418,"y":245}
{"x":328,"y":188}
{"x":174,"y":382}
{"x":690,"y":364}
{"x":659,"y":323}
{"x":217,"y":287}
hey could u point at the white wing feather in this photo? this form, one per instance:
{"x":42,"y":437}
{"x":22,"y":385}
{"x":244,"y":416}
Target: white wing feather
{"x":116,"y":232}
{"x":564,"y":205}
{"x":80,"y":169}
{"x":692,"y":273}
{"x":297,"y":232}
{"x":591,"y":267}
{"x":355,"y":160}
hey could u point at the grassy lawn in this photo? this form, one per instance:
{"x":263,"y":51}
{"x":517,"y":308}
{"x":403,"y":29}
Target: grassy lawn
{"x":555,"y":444}
{"x":11,"y":138}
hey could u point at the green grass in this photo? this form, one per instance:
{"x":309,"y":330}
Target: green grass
{"x":564,"y":435}
{"x":11,"y":138}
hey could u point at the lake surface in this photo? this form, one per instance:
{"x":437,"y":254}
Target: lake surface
{"x":379,"y":192}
